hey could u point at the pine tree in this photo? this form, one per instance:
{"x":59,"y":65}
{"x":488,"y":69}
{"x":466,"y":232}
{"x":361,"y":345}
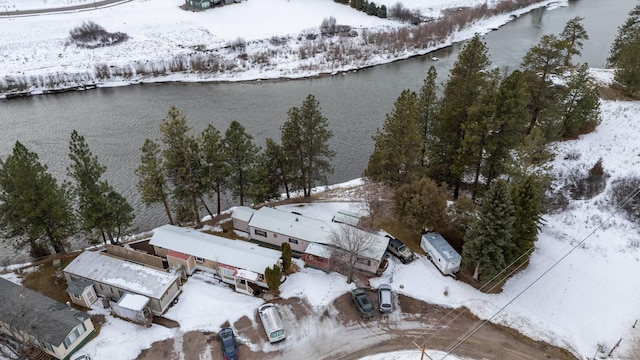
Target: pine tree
{"x":100,"y":207}
{"x":396,"y":158}
{"x":182,"y":164}
{"x":625,"y":52}
{"x":508,"y":129}
{"x":372,"y":9}
{"x":580,"y":104}
{"x":152,"y":185}
{"x":421,"y":205}
{"x":466,"y":80}
{"x":277,"y":164}
{"x":427,"y":110}
{"x":481,"y":122}
{"x":264,"y":183}
{"x":215,"y":170}
{"x":34,"y":209}
{"x":272,"y":278}
{"x":527,"y":195}
{"x":240,"y":154}
{"x":489,"y":238}
{"x":541,"y":63}
{"x":573,"y":36}
{"x":382,"y":12}
{"x":305,"y":141}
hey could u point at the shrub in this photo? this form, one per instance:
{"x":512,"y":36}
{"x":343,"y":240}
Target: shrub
{"x":586,"y":186}
{"x":624,"y":194}
{"x":399,"y":12}
{"x":328,"y":26}
{"x":91,"y":35}
{"x":238,"y":44}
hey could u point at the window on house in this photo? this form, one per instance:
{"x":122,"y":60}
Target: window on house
{"x":199,"y":260}
{"x":364,"y":261}
{"x":46,"y":345}
{"x":260,"y":232}
{"x":293,"y":241}
{"x":74,"y":336}
{"x":227,"y":272}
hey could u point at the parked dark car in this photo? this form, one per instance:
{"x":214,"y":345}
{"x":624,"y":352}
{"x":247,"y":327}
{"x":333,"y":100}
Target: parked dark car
{"x":399,"y":249}
{"x":228,"y":344}
{"x":363,"y":304}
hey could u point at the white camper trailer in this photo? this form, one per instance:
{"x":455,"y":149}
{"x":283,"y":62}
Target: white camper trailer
{"x":440,"y":252}
{"x":272,"y":322}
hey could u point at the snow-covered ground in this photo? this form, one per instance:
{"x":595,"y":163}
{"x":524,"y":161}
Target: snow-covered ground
{"x":160,"y":31}
{"x":579,"y":291}
{"x":587,"y":299}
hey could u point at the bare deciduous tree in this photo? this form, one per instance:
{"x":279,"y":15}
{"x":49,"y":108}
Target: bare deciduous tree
{"x":351,"y":244}
{"x":378,"y":201}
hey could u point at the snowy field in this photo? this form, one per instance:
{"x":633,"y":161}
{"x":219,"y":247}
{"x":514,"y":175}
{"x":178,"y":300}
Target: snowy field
{"x":159,"y":31}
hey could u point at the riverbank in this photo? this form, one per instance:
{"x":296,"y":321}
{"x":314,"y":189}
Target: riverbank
{"x":253,"y":48}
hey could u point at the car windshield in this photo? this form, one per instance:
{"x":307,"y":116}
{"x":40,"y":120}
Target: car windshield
{"x":364,"y":301}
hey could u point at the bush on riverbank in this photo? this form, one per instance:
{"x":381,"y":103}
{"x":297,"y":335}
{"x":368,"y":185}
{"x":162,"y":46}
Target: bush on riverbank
{"x":91,"y":35}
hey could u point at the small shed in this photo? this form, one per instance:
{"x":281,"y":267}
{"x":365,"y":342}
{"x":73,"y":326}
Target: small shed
{"x":82,"y":293}
{"x":317,"y":256}
{"x":346,"y":217}
{"x":241,"y":217}
{"x":133,"y":307}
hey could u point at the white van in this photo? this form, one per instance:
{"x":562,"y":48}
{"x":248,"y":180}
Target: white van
{"x":271,"y":322}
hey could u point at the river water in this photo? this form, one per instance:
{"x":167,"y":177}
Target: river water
{"x":116,"y":121}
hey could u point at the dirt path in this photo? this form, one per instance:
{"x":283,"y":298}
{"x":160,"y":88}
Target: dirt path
{"x":337,"y":332}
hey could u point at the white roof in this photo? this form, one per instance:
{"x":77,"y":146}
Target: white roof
{"x":122,"y":274}
{"x":246,"y":274}
{"x":291,"y":225}
{"x":377,"y":248}
{"x":243,"y":213}
{"x":237,"y":253}
{"x":318,"y":250}
{"x":133,"y":301}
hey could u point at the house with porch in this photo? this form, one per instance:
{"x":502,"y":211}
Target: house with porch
{"x":238,"y":263}
{"x":34,"y":320}
{"x":112,"y":277}
{"x":274,"y":226}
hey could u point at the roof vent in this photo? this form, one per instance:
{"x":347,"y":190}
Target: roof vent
{"x":296,"y":219}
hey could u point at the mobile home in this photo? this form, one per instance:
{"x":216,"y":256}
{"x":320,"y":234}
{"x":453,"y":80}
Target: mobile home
{"x":441,"y":253}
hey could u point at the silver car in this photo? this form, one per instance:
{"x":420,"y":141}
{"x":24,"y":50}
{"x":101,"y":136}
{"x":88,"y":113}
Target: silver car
{"x":385,"y":298}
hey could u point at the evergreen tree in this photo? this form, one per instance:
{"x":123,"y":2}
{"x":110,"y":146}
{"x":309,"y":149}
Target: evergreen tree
{"x":100,"y":207}
{"x":382,"y":12}
{"x":490,"y":237}
{"x":152,"y":185}
{"x":272,"y":278}
{"x":241,"y":155}
{"x":286,"y":256}
{"x":573,"y":36}
{"x":421,"y":205}
{"x":396,"y":157}
{"x":625,"y":52}
{"x":581,"y":104}
{"x":481,"y":122}
{"x":466,"y":80}
{"x":507,"y":130}
{"x":305,"y":137}
{"x":372,"y":8}
{"x":427,"y":109}
{"x":215,"y":170}
{"x":527,"y":195}
{"x":264,"y":183}
{"x":34,"y":209}
{"x":182,"y":164}
{"x":277,"y":164}
{"x":541,"y":63}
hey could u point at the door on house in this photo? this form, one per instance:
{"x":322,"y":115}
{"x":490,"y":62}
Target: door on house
{"x":242,"y":286}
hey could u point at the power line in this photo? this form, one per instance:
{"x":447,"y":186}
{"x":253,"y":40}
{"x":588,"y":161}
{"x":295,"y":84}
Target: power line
{"x":475,"y":329}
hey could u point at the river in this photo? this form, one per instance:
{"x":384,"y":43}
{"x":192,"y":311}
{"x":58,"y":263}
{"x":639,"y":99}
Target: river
{"x":116,"y":121}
